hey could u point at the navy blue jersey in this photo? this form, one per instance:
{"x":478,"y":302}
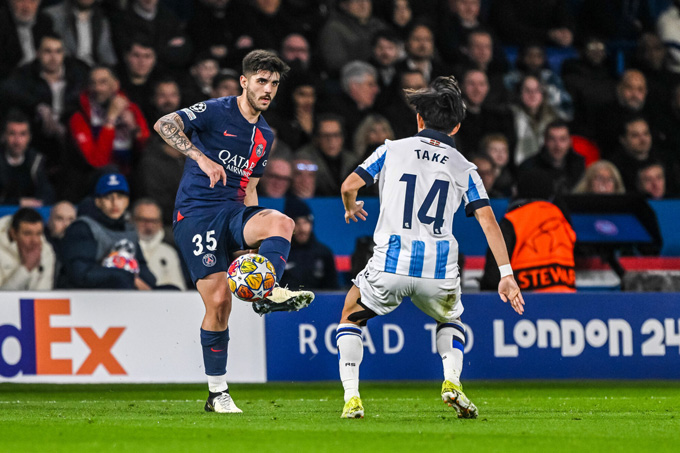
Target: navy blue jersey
{"x":220,"y":131}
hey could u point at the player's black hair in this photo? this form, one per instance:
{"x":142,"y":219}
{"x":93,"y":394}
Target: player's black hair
{"x":28,"y":215}
{"x":15,"y":116}
{"x":440,"y":105}
{"x":264,"y":60}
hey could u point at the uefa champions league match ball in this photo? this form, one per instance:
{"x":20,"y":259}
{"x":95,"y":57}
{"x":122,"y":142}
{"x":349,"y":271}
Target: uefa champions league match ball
{"x":251,"y":277}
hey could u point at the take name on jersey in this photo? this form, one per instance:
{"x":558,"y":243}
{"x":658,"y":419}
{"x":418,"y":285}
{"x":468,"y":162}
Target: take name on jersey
{"x":220,"y":131}
{"x":422,"y":181}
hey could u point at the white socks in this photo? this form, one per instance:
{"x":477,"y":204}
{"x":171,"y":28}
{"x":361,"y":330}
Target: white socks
{"x":450,"y":345}
{"x":350,"y":351}
{"x":217,"y":384}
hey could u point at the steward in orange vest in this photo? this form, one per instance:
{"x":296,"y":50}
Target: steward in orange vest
{"x":541,"y":247}
{"x":540,"y":242}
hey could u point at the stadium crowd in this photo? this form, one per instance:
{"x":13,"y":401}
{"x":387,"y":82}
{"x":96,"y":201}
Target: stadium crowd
{"x":586,"y":92}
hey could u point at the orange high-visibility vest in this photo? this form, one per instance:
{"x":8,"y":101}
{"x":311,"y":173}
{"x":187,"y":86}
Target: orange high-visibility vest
{"x":543,"y":258}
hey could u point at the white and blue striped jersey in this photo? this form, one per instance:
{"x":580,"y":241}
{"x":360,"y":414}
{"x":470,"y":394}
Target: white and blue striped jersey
{"x":422,"y":180}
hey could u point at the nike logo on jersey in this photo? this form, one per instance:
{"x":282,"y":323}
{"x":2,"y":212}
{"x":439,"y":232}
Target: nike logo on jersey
{"x":226,"y":134}
{"x":216,"y":350}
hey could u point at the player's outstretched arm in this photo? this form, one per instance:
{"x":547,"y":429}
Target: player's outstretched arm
{"x":171,"y":129}
{"x":350,"y":189}
{"x":507,"y":287}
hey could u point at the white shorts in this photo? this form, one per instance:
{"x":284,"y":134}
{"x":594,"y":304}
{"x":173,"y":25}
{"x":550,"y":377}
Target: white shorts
{"x":382,"y":292}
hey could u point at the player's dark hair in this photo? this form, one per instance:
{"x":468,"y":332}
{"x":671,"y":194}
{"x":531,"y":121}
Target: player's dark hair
{"x":440,"y":105}
{"x":28,"y":215}
{"x":264,"y":60}
{"x":15,"y":116}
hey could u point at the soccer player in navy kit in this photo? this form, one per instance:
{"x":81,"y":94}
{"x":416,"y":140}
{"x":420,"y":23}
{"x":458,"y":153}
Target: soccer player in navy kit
{"x":216,"y":210}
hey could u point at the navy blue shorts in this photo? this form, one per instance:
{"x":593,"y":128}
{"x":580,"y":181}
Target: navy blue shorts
{"x":206,"y":242}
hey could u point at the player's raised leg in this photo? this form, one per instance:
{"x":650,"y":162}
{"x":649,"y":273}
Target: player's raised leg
{"x":216,"y":296}
{"x":351,"y":352}
{"x":450,"y":345}
{"x":272,"y":231}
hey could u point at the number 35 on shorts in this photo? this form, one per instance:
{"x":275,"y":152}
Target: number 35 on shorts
{"x":210,"y":242}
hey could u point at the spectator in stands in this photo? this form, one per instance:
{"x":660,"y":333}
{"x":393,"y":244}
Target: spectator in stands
{"x":328,"y":152}
{"x":360,"y":89}
{"x":650,"y":58}
{"x":532,"y":114}
{"x":295,"y":52}
{"x":304,"y":180}
{"x":668,"y":27}
{"x":482,"y":117}
{"x":138,"y":72}
{"x":480,"y":51}
{"x":158,"y":175}
{"x":401,"y":18}
{"x":539,"y":239}
{"x":86,"y":31}
{"x":311,"y":264}
{"x":23,"y":180}
{"x":62,"y":215}
{"x":371,"y":133}
{"x":398,"y":111}
{"x":108,"y":129}
{"x":276,"y":179}
{"x":47,"y":90}
{"x":531,"y":60}
{"x":601,"y":178}
{"x":226,"y":83}
{"x":651,"y":180}
{"x":488,"y":172}
{"x":631,"y":97}
{"x":387,"y":50}
{"x":101,"y":249}
{"x":199,"y":86}
{"x":668,"y":141}
{"x":458,"y":18}
{"x":557,"y":159}
{"x":347,"y":34}
{"x":165,"y":98}
{"x":615,"y":20}
{"x":26,"y":258}
{"x":591,"y":83}
{"x":294,"y":117}
{"x":159,"y":26}
{"x":496,"y":146}
{"x":635,"y":150}
{"x":520,"y":22}
{"x":162,"y":259}
{"x":22,"y":27}
{"x":420,"y":53}
{"x":269,"y":23}
{"x":215,"y":27}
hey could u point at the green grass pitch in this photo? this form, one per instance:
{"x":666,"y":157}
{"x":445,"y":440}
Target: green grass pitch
{"x":305,"y":417}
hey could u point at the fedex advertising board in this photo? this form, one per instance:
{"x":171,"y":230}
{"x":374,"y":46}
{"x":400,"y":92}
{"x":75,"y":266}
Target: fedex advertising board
{"x":87,"y":337}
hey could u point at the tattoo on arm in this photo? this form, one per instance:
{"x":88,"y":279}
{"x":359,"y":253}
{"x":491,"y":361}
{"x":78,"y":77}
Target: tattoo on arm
{"x":171,"y":130}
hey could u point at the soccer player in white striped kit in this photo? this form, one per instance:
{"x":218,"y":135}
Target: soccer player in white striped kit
{"x":422,"y":182}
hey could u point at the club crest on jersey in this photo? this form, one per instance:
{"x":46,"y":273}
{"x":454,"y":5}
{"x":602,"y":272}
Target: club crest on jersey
{"x":198,"y":107}
{"x":209,"y":260}
{"x":259,"y":151}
